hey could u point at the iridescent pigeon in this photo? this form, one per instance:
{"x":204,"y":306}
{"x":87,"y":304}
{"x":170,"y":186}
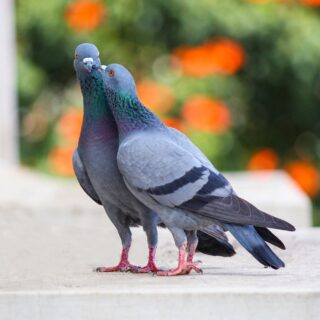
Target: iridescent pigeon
{"x":171,"y":176}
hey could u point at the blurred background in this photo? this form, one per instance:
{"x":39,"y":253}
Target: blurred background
{"x":240,"y":77}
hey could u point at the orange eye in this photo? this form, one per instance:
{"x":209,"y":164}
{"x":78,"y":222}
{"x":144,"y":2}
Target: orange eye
{"x":111,"y":73}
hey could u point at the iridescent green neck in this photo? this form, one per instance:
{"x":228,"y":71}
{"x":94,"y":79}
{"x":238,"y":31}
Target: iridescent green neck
{"x":94,"y":97}
{"x":131,"y":115}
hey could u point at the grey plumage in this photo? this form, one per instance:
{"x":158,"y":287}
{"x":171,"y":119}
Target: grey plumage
{"x":83,"y":178}
{"x":96,"y":168}
{"x":166,"y":172}
{"x":95,"y":158}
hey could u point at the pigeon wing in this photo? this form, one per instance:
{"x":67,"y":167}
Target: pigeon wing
{"x":83,"y":177}
{"x":156,"y":165}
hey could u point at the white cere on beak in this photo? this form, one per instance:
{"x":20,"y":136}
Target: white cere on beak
{"x":85,"y":60}
{"x":103,"y":67}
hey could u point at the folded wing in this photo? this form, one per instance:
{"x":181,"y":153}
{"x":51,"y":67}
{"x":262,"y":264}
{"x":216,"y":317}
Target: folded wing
{"x":157,"y":166}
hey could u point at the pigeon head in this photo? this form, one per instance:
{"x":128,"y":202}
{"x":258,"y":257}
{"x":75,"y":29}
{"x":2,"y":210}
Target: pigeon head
{"x":128,"y":111}
{"x":86,"y":58}
{"x":119,"y":80}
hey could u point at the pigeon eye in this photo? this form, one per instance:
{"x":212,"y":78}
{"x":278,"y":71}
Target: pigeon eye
{"x":76,"y":56}
{"x":111,"y":73}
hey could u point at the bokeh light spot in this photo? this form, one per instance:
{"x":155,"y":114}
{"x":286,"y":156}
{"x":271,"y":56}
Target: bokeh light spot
{"x":206,"y":114}
{"x":69,"y":125}
{"x":174,"y":123}
{"x":85,"y":15}
{"x":223,"y":56}
{"x":60,"y":160}
{"x":263,"y":159}
{"x":158,"y":97}
{"x":306,"y":175}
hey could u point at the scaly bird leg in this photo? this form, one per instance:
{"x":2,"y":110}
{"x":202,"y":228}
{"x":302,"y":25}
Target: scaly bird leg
{"x":192,"y":265}
{"x":151,"y":265}
{"x":123,"y":266}
{"x":181,"y":264}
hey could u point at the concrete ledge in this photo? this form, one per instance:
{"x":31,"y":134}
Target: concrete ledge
{"x":46,"y":273}
{"x":231,"y":305}
{"x":52,"y":236}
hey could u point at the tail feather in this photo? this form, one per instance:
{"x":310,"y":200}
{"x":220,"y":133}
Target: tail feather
{"x":268,"y":236}
{"x":254,"y":244}
{"x":213,"y":246}
{"x":233,"y":210}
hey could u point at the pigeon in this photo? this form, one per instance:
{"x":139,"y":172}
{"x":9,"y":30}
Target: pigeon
{"x":95,"y":167}
{"x":171,"y":176}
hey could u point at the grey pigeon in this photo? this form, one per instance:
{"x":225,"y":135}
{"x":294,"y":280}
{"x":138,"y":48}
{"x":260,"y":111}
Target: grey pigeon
{"x":95,"y":166}
{"x":96,"y":169}
{"x":171,"y":176}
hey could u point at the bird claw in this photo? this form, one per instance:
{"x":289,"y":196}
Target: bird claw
{"x":189,"y":266}
{"x":192,"y":266}
{"x":170,"y":272}
{"x":122,"y":267}
{"x":150,"y":267}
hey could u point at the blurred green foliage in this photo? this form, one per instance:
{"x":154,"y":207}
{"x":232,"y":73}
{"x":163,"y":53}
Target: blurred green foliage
{"x":274,"y":98}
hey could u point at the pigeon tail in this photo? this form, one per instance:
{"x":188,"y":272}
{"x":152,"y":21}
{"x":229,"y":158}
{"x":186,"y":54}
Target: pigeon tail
{"x":214,"y":247}
{"x":268,"y":236}
{"x":234,"y":210}
{"x":254,"y":244}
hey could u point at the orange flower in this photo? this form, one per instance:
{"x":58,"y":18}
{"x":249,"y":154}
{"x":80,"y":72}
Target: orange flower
{"x":69,"y":125}
{"x":84,"y":15}
{"x":222,"y":56}
{"x":312,"y":3}
{"x":306,"y":175}
{"x":207,"y":114}
{"x":159,"y":98}
{"x":263,"y":159}
{"x":60,"y":160}
{"x":173,"y":123}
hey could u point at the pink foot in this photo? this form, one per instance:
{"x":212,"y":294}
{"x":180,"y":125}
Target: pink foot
{"x":192,"y":266}
{"x":151,"y":266}
{"x":172,"y":272}
{"x":123,"y":266}
{"x":181,"y":264}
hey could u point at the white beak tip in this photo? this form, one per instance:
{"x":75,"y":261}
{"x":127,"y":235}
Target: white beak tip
{"x":85,"y":60}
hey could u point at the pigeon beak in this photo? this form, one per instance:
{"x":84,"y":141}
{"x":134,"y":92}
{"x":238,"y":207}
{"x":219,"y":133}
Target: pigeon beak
{"x":88,"y":63}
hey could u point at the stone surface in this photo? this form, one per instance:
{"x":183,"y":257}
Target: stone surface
{"x":47,"y":262}
{"x":52,"y":236}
